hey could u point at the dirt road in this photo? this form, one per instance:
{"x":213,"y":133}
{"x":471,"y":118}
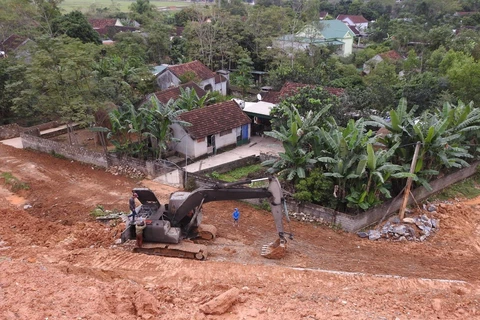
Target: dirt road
{"x":57,"y":262}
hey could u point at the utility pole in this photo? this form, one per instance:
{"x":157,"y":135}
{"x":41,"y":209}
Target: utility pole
{"x":409,"y":181}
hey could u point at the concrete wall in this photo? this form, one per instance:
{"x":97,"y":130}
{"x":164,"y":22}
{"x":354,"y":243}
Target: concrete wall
{"x":226,"y":140}
{"x":151,"y":169}
{"x":69,"y":151}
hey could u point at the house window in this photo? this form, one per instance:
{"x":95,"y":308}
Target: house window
{"x":224,"y":133}
{"x":208,"y":87}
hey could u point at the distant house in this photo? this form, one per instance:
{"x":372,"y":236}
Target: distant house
{"x":107,"y":28}
{"x":323,"y":15}
{"x":356,"y":21}
{"x":212,"y":128}
{"x":15,"y":45}
{"x":173,"y":75}
{"x":102,"y":25}
{"x":391,"y":56}
{"x":320,"y":33}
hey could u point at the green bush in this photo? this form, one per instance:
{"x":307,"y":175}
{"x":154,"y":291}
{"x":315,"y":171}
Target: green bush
{"x":316,"y":188}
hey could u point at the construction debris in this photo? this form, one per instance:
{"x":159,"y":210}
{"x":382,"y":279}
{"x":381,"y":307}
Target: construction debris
{"x":410,"y":229}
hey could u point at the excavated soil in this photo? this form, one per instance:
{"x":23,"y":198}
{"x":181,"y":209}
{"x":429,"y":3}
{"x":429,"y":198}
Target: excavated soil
{"x":57,"y":262}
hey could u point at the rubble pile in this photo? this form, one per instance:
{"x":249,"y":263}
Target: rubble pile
{"x":126,"y":171}
{"x":305,"y":217}
{"x":417,"y":228}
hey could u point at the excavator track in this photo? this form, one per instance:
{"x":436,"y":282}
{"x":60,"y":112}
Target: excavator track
{"x":274,"y":250}
{"x":181,"y":250}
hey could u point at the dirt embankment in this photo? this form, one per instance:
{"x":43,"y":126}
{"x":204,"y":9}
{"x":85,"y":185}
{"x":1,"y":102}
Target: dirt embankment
{"x":57,"y":262}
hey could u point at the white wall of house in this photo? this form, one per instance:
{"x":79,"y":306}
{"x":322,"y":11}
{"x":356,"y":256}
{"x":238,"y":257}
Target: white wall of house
{"x":221,"y":87}
{"x":197,"y":148}
{"x":360,"y":26}
{"x":167,"y":79}
{"x":348,"y":45}
{"x":225,"y":139}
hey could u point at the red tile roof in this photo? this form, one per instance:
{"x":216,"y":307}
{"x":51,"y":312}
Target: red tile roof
{"x":392,"y":55}
{"x":214,"y":119}
{"x":354,"y":30}
{"x":291,"y":88}
{"x":353,"y":18}
{"x":174,"y":93}
{"x":195,"y":66}
{"x":12,"y":43}
{"x":102,"y":23}
{"x":323,"y":14}
{"x":271,"y":96}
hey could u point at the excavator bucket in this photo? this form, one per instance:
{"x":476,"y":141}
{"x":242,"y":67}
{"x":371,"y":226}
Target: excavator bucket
{"x":274,"y":250}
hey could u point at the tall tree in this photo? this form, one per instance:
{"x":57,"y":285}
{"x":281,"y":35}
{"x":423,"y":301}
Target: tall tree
{"x":75,"y":25}
{"x":59,"y":81}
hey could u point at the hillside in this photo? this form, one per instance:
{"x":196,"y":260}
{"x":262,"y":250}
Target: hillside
{"x":57,"y":262}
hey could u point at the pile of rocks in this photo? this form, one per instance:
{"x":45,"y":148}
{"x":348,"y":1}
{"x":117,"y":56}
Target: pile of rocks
{"x":126,"y":171}
{"x":305,"y":217}
{"x":416,"y":228}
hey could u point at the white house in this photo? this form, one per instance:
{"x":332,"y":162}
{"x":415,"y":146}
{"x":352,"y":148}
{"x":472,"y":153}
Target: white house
{"x":320,"y":33}
{"x":212,"y":127}
{"x":359,"y":22}
{"x":173,"y":75}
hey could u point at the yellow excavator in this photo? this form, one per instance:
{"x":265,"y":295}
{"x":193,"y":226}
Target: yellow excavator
{"x":169,"y":224}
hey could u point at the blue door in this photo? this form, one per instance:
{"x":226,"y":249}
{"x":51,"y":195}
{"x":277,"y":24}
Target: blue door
{"x":245,"y":132}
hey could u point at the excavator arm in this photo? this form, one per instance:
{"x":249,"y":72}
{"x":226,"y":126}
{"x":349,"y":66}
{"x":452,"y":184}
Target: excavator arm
{"x":180,"y":212}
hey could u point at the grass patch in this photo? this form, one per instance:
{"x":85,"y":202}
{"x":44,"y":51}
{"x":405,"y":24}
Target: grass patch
{"x":99,"y":211}
{"x":13,"y":182}
{"x":238,"y":173}
{"x":468,"y":188}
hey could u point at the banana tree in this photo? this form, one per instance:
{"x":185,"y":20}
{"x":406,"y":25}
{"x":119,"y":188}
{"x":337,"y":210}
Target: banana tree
{"x":441,"y":148}
{"x":126,"y":124}
{"x":190,"y":100}
{"x":159,"y":117}
{"x":465,"y":119}
{"x":397,"y":129}
{"x":296,"y":137}
{"x":378,"y":170}
{"x":343,"y":155}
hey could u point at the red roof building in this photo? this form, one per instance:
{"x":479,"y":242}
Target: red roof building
{"x":214,"y":119}
{"x":200,"y":70}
